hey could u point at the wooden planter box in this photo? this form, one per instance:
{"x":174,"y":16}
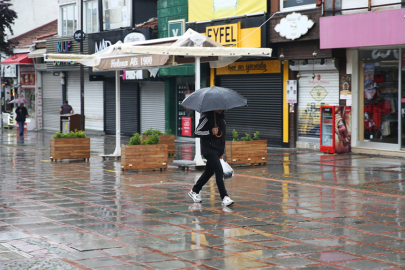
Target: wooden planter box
{"x":165,"y":139}
{"x":144,"y":156}
{"x":70,"y":148}
{"x":246,"y":152}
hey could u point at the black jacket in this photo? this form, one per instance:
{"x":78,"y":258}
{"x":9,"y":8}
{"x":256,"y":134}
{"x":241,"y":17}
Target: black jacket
{"x":211,"y":144}
{"x":21,"y":114}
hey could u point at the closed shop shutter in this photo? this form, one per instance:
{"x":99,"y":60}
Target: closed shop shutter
{"x":51,"y":101}
{"x":93,"y":99}
{"x":264,"y":111}
{"x":152,"y":106}
{"x":312,"y":93}
{"x":129,"y":107}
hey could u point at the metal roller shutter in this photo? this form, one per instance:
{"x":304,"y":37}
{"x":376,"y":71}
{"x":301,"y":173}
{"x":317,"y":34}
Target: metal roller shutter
{"x":51,"y":101}
{"x":129,"y":107}
{"x":264,"y":111}
{"x":312,"y":93}
{"x":152,"y":106}
{"x":93,"y":99}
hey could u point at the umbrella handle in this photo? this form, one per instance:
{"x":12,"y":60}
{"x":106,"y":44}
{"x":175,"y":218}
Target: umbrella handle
{"x":215,"y":122}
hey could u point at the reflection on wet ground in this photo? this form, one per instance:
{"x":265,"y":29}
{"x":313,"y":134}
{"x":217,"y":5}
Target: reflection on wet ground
{"x":90,"y":215}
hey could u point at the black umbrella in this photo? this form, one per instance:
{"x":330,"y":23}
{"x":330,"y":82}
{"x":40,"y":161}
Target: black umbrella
{"x":214,"y":98}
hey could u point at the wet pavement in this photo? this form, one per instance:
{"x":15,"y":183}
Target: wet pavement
{"x":303,"y":210}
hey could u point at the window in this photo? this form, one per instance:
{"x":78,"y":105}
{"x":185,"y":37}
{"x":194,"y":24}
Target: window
{"x":290,"y":5}
{"x":116,"y":14}
{"x":69,"y":20}
{"x":91,"y":9}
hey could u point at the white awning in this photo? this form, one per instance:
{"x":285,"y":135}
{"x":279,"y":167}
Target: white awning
{"x":37,"y":53}
{"x":191,"y":44}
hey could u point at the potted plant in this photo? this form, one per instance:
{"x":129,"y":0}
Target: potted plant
{"x":144,"y":153}
{"x":246,"y":151}
{"x":72,"y":145}
{"x":164,"y":138}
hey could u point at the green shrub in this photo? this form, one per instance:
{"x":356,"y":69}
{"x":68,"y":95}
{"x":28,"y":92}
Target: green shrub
{"x":235,"y":135}
{"x":152,"y":131}
{"x":70,"y":135}
{"x":256,"y":136}
{"x":168,"y":132}
{"x":247,"y":137}
{"x":135,"y":139}
{"x":153,"y":139}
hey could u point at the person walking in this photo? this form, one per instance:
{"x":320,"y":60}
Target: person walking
{"x":22,"y":114}
{"x":66,"y":108}
{"x":211,"y":131}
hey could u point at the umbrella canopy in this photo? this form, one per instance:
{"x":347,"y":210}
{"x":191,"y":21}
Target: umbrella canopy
{"x":20,"y":100}
{"x":214,"y":98}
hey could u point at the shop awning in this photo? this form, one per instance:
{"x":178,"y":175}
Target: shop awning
{"x":18,"y":59}
{"x":37,"y":53}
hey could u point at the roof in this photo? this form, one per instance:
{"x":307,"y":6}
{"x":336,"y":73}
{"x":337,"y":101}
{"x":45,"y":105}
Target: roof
{"x":38,"y":33}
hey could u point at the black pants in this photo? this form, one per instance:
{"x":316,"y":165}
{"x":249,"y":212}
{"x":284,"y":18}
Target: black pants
{"x":213,"y":166}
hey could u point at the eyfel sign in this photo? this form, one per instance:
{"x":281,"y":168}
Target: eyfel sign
{"x":227,"y":34}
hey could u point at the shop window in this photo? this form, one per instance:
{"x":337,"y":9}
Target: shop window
{"x":91,"y":14}
{"x":379,"y":96}
{"x":287,"y":5}
{"x":185,"y":116}
{"x":116,"y":14}
{"x":69,"y":20}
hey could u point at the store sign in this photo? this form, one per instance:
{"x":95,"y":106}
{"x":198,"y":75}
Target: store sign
{"x":294,"y":26}
{"x":291,"y":91}
{"x":133,"y":62}
{"x":63,"y":46}
{"x":227,"y":34}
{"x":101,"y":45}
{"x":186,"y":126}
{"x":251,"y":67}
{"x":134,"y":37}
{"x":132,"y":75}
{"x":176,"y":28}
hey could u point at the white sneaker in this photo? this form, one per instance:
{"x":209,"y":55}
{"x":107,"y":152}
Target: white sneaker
{"x":227,"y":201}
{"x":196,"y":197}
{"x":227,"y":210}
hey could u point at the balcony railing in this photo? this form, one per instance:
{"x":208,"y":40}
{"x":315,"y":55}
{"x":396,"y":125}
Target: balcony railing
{"x":369,"y":7}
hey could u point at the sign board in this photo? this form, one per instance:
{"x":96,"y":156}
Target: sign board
{"x":132,"y":75}
{"x":186,"y":126}
{"x":251,"y":67}
{"x":9,"y":71}
{"x":176,"y":28}
{"x":128,"y":62}
{"x":294,"y":26}
{"x":291,"y":91}
{"x":227,"y":34}
{"x":133,"y":37}
{"x":79,"y":35}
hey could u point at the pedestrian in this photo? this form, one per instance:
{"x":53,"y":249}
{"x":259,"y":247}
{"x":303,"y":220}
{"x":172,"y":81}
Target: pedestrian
{"x":22,"y":113}
{"x":66,"y":108}
{"x":211,"y":129}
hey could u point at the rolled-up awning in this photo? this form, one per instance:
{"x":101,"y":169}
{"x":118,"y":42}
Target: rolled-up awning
{"x":37,"y":53}
{"x":18,"y":59}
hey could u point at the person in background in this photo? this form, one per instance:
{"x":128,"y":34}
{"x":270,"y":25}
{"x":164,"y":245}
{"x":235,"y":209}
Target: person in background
{"x":66,"y":108}
{"x":22,"y":114}
{"x":211,"y":129}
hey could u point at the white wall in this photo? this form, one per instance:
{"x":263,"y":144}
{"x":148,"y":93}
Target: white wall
{"x":32,"y":14}
{"x":364,"y":3}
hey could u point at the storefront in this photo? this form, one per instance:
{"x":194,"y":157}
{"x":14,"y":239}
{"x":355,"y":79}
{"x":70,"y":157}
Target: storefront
{"x":142,"y":97}
{"x":18,"y":79}
{"x":62,"y":81}
{"x":261,"y":82}
{"x":375,"y":64}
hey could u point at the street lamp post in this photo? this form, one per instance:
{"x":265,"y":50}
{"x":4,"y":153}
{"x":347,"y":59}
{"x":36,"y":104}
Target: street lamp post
{"x":81,"y":69}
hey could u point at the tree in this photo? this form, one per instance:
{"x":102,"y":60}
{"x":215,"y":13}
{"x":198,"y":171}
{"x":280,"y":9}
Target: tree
{"x":7,"y":17}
